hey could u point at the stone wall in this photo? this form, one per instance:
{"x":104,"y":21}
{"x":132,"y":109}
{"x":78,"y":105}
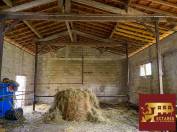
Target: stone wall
{"x":150,"y":84}
{"x":18,"y":62}
{"x":102,"y":73}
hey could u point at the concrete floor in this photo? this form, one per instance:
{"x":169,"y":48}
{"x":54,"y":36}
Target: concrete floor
{"x":120,"y":119}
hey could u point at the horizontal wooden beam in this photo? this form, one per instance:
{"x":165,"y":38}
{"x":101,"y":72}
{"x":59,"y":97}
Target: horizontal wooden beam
{"x":29,"y":5}
{"x":82,"y":44}
{"x":109,"y":8}
{"x":81,"y":17}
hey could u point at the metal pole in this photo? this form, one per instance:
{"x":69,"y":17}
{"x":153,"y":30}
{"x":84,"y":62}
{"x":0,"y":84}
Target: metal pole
{"x":159,"y":58}
{"x":2,"y":28}
{"x":35,"y":75}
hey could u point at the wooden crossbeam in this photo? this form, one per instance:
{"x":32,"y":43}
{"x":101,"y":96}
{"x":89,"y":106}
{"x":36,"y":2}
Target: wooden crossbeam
{"x":83,"y":44}
{"x":82,"y":17}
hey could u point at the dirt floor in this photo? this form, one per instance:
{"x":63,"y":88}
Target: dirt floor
{"x":119,"y":119}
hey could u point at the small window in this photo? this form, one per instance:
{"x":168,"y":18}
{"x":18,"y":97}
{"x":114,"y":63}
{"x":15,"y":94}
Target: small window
{"x":145,"y":70}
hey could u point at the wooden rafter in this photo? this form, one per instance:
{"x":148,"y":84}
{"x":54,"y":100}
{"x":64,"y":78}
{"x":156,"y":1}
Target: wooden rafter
{"x":108,"y":8}
{"x":54,"y":36}
{"x":114,"y":29}
{"x":8,"y":2}
{"x":153,"y":9}
{"x":28,"y":24}
{"x":94,"y":37}
{"x":165,"y":3}
{"x":28,"y":5}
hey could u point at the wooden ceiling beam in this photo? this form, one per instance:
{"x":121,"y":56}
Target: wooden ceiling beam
{"x":83,"y":44}
{"x":67,"y":9}
{"x":82,"y":17}
{"x":114,"y":29}
{"x":154,"y":10}
{"x":8,"y":2}
{"x":94,"y":37}
{"x":28,"y":5}
{"x":129,"y":32}
{"x":32,"y":29}
{"x":109,"y":8}
{"x":165,"y":3}
{"x":52,"y":37}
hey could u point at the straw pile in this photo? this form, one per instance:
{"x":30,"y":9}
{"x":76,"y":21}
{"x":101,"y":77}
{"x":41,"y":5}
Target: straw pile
{"x":75,"y":105}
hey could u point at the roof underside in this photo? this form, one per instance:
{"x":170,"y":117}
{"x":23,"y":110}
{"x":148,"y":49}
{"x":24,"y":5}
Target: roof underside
{"x":138,"y":35}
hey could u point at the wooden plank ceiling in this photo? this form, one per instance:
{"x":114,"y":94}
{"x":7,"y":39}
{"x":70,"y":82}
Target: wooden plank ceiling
{"x":137,"y":35}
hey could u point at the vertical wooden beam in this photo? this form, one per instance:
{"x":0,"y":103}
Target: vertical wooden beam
{"x":35,"y":75}
{"x":67,"y":9}
{"x":127,"y":66}
{"x":2,"y":28}
{"x":159,"y":58}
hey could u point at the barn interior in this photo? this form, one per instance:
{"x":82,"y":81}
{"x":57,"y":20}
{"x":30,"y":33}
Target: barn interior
{"x":116,"y":49}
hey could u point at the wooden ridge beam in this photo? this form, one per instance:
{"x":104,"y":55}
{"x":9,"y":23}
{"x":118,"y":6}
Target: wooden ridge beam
{"x":82,"y":17}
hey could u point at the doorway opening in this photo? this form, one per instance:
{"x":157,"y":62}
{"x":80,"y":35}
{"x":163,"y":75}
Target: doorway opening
{"x":20,"y":93}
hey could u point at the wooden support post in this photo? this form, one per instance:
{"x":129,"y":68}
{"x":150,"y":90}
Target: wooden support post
{"x":2,"y":28}
{"x":127,"y":63}
{"x":82,"y":66}
{"x":35,"y":76}
{"x":159,"y":58}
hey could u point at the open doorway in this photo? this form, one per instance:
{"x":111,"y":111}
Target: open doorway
{"x":20,"y":93}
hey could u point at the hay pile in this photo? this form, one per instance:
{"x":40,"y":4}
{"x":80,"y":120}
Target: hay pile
{"x":74,"y":105}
